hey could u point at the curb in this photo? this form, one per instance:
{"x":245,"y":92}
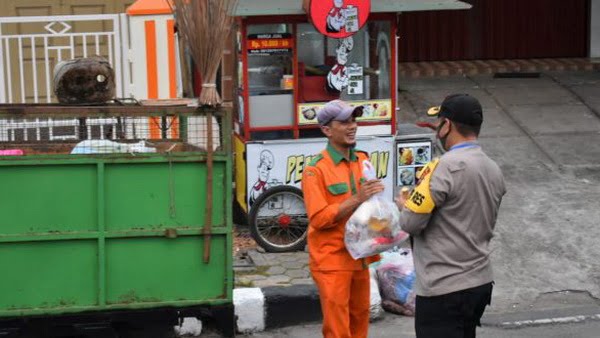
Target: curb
{"x":276,"y":307}
{"x":271,"y":307}
{"x":259,"y":309}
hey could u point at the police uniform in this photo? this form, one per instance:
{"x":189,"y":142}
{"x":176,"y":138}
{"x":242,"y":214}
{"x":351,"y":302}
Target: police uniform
{"x":451,"y":215}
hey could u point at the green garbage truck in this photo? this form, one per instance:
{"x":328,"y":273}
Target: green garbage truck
{"x":114,"y":218}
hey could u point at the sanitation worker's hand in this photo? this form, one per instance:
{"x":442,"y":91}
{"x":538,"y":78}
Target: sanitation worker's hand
{"x":368,"y":189}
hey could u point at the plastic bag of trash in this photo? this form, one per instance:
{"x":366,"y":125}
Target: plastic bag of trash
{"x":375,"y":310}
{"x":375,"y":226}
{"x":396,"y":278}
{"x":111,"y":147}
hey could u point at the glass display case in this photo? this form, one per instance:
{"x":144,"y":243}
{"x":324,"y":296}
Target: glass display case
{"x":270,"y":75}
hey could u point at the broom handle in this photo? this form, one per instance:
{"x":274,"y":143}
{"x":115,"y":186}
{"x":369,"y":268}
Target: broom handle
{"x":209,"y":189}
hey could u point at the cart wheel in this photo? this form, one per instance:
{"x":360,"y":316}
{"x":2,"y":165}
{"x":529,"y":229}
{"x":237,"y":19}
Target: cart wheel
{"x":278,"y":220}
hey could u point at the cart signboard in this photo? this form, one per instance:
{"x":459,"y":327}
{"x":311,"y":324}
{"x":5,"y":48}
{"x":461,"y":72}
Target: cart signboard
{"x":269,"y":43}
{"x":339,"y":18}
{"x":278,"y":163}
{"x":412,"y":158}
{"x":374,"y":111}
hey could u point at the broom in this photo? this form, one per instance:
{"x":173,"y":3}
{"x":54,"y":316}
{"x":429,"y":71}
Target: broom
{"x":205,"y":26}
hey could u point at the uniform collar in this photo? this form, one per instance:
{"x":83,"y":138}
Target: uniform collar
{"x":466,"y":144}
{"x":337,"y":157}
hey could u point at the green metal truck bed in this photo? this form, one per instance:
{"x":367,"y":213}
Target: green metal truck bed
{"x":113,"y":231}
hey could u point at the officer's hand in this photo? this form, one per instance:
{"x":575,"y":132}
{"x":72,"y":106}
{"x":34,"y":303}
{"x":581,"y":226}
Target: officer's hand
{"x":402,"y":197}
{"x":368,"y":189}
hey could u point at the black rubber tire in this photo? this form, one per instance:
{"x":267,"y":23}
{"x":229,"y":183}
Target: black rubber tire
{"x":269,"y":246}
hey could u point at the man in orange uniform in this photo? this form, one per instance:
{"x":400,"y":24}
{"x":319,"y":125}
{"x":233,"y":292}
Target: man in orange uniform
{"x":333,"y":189}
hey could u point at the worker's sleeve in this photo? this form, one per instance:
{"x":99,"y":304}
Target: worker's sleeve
{"x":321,"y":215}
{"x":431,"y":193}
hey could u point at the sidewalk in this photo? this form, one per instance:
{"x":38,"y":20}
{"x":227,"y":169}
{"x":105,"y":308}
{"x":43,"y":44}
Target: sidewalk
{"x":274,"y":269}
{"x":477,"y":67}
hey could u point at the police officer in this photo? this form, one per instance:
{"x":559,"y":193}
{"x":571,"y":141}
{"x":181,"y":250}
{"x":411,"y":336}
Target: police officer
{"x":333,"y":190}
{"x":451,"y":215}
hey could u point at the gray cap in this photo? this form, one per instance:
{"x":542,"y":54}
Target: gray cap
{"x":337,"y":110}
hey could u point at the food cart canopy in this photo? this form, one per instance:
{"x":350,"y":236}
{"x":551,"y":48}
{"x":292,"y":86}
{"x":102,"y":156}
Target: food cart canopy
{"x":294,"y":7}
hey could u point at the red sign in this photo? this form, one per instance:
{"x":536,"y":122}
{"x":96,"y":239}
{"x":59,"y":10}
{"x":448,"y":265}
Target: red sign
{"x":338,"y":18}
{"x":269,"y":43}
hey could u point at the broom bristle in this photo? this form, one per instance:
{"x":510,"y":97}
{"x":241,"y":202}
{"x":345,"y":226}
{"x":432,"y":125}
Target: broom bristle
{"x":205,"y":26}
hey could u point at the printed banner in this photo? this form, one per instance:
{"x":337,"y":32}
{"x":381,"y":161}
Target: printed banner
{"x":374,"y":110}
{"x":338,"y":18}
{"x":270,"y":164}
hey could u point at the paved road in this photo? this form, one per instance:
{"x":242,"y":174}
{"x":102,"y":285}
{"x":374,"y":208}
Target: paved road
{"x":400,"y":327}
{"x":545,"y":134}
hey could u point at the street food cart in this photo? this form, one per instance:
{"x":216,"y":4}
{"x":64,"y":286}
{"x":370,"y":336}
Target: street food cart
{"x":292,"y":58}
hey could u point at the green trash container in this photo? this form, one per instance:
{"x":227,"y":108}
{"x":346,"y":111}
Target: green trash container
{"x":106,"y":210}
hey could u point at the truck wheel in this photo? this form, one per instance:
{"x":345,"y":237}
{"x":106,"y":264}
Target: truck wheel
{"x":278,"y":220}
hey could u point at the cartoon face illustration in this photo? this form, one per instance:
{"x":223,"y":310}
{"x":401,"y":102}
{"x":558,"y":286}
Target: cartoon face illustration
{"x":336,"y":19}
{"x":348,"y":43}
{"x":267,"y":160}
{"x":337,"y":79}
{"x":265,"y":165}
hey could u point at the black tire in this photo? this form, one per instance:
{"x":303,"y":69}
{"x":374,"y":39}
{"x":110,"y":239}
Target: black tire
{"x":291,"y":229}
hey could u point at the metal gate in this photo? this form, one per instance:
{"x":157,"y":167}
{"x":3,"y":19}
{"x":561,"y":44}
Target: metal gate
{"x":30,"y":47}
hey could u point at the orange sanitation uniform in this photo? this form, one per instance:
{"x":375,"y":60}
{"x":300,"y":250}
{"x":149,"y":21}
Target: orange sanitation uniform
{"x":343,"y":282}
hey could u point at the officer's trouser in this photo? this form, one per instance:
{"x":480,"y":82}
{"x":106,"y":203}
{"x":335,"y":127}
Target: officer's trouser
{"x":344,"y":302}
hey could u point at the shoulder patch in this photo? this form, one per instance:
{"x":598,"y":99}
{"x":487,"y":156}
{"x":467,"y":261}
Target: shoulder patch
{"x":316,"y":160}
{"x":420,"y":200}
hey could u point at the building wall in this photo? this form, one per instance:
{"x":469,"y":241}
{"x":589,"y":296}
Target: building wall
{"x":497,"y":29}
{"x":62,"y":7}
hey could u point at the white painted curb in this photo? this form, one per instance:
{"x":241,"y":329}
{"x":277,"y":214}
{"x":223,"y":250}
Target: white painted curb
{"x":249,"y":304}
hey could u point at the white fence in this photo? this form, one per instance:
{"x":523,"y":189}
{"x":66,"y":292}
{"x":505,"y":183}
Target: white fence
{"x":31,"y":46}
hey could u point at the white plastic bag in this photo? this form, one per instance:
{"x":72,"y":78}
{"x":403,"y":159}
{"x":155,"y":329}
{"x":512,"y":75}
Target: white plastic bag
{"x":375,"y":310}
{"x":396,"y":279}
{"x":110,"y":147}
{"x":375,"y":225}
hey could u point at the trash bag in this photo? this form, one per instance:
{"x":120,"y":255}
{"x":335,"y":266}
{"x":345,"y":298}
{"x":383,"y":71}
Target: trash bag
{"x":110,"y":147}
{"x":375,"y":309}
{"x":396,"y":279}
{"x":375,"y":226}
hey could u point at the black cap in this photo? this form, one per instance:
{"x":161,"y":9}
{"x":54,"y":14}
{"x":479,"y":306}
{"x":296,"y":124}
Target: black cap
{"x":461,"y":108}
